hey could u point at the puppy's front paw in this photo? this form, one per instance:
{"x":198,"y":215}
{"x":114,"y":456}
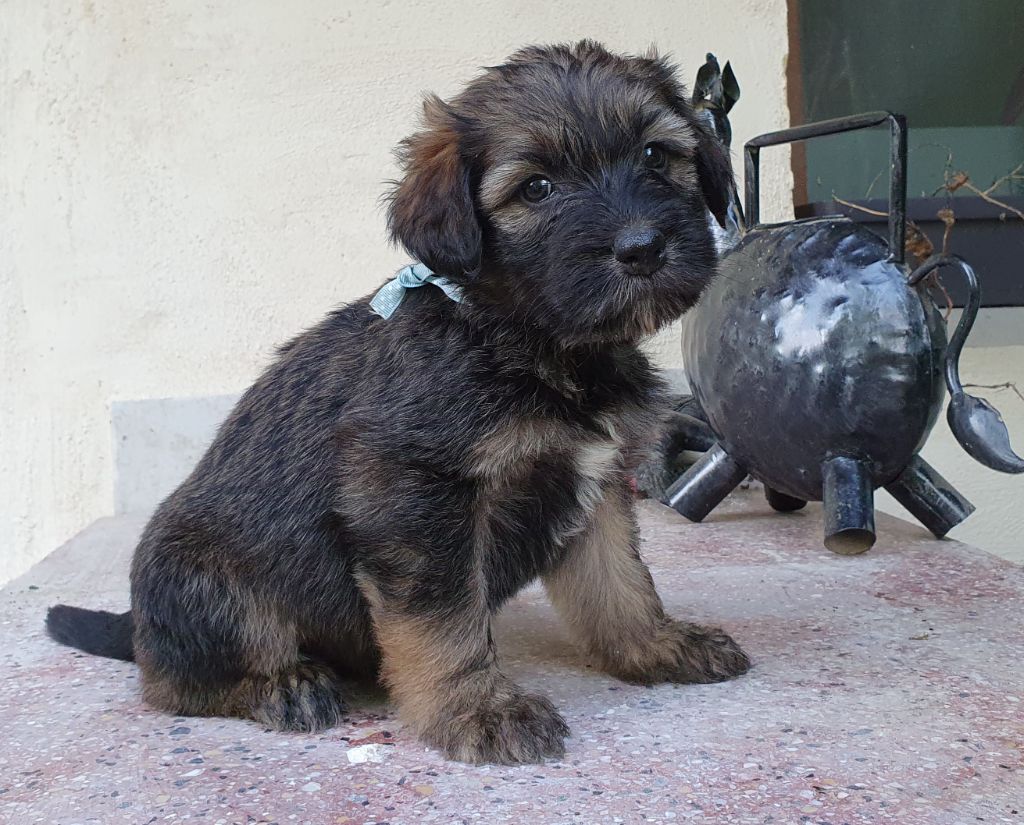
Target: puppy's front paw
{"x":512,"y":730}
{"x":691,"y":653}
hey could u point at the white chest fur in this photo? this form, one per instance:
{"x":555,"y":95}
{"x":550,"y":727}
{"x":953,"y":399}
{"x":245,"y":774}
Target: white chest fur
{"x":595,"y":462}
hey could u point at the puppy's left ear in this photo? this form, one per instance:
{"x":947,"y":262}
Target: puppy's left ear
{"x":431,"y":212}
{"x":714,"y":171}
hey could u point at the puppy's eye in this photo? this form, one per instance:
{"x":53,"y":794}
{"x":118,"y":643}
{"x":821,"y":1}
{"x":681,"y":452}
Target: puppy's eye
{"x":536,"y":189}
{"x":655,"y":158}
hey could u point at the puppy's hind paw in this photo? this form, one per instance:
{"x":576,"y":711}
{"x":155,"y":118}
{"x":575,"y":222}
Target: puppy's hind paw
{"x":307,"y":698}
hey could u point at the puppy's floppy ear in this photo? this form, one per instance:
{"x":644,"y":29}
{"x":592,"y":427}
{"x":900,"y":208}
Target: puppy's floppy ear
{"x":714,"y":171}
{"x":431,"y":212}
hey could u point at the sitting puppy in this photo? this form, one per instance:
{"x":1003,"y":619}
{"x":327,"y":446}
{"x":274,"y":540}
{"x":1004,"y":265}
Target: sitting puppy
{"x":389,"y":483}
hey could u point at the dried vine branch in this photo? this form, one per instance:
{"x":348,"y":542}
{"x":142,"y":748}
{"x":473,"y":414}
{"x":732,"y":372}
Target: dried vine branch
{"x":917,"y":244}
{"x":1006,"y":385}
{"x":961,"y":180}
{"x":859,"y":208}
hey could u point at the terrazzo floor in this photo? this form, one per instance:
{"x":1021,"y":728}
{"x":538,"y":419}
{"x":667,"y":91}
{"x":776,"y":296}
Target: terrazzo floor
{"x":887,"y":687}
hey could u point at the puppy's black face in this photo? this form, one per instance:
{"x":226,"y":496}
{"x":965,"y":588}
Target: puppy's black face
{"x":568,"y":188}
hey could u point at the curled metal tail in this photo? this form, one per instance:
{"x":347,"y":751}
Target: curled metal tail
{"x":975,"y":423}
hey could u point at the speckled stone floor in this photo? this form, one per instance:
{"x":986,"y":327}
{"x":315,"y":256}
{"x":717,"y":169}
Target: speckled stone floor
{"x":886,"y":688}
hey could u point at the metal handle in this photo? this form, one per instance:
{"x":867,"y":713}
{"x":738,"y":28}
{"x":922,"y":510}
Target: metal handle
{"x":897,"y":166}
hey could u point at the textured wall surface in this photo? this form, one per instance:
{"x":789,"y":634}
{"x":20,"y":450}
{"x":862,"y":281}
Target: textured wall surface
{"x":185,"y":185}
{"x":157,"y":443}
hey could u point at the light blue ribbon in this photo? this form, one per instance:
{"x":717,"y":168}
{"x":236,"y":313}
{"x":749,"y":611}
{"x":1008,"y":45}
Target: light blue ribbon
{"x":390,"y":296}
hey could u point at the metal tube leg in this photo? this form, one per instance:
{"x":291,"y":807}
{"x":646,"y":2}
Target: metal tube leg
{"x":849,"y":503}
{"x":781,"y":502}
{"x":701,"y":489}
{"x":688,"y":433}
{"x":931,"y":499}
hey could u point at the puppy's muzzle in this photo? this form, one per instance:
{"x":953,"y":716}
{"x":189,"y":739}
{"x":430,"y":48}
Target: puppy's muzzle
{"x":640,"y":249}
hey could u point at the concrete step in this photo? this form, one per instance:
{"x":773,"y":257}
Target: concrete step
{"x":886,"y":687}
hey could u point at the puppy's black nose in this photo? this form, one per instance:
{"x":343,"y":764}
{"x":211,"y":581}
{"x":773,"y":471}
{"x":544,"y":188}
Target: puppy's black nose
{"x":641,"y":249}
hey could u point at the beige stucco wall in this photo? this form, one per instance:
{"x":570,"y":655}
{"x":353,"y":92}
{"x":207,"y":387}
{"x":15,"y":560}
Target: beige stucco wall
{"x":186,"y":184}
{"x":998,"y":523}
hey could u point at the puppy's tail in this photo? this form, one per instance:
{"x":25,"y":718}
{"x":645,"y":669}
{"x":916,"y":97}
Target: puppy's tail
{"x":92,"y":631}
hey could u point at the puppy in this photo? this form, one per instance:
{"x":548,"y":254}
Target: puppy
{"x":389,"y":483}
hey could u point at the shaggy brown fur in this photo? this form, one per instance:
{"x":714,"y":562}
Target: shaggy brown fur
{"x":387,"y":485}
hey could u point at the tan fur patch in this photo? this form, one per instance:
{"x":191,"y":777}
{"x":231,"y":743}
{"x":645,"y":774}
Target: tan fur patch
{"x":500,"y":182}
{"x":509,"y":449}
{"x":514,"y":217}
{"x":428,"y":666}
{"x":672,"y":131}
{"x":606,"y":595}
{"x":441,"y":672}
{"x":605,"y":592}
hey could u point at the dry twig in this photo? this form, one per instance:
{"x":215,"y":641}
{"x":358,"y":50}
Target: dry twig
{"x":1006,"y":385}
{"x":859,"y":208}
{"x":948,"y":218}
{"x":961,"y":180}
{"x":918,"y":244}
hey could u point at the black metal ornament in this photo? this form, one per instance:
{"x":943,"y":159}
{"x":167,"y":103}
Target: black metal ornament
{"x":817,"y":359}
{"x":716,"y":91}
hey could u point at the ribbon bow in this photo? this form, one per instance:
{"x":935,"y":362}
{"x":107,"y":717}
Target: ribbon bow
{"x":390,"y":296}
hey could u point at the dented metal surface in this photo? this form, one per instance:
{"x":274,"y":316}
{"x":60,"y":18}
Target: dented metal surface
{"x":811,"y":344}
